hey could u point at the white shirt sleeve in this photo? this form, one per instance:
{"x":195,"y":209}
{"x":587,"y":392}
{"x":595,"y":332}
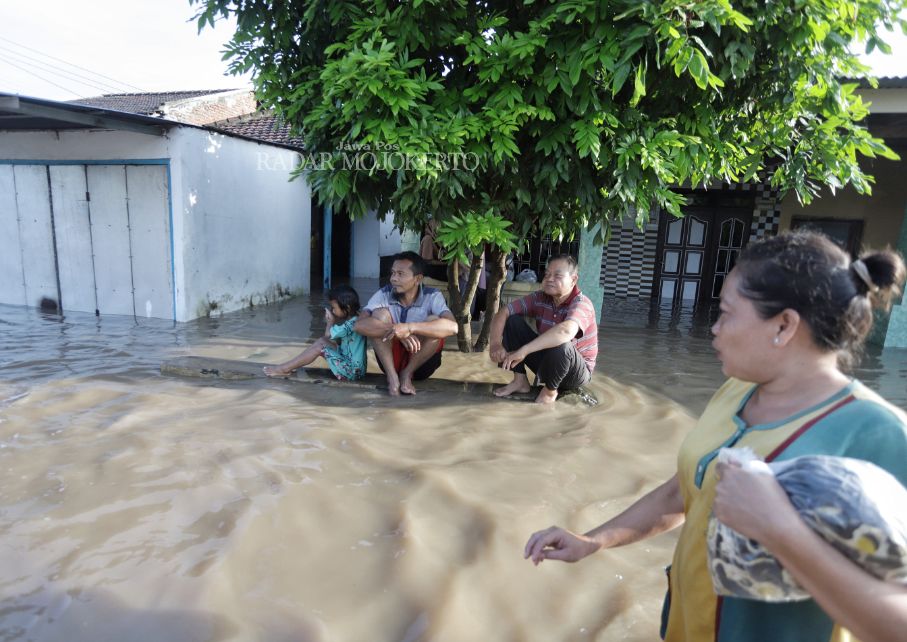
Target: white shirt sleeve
{"x":438,"y":306}
{"x":378,"y":300}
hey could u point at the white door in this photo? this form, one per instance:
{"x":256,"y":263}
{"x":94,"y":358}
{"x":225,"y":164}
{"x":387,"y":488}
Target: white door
{"x":12,"y":280}
{"x":36,"y":234}
{"x":110,"y":235}
{"x":72,"y":231}
{"x":149,"y":231}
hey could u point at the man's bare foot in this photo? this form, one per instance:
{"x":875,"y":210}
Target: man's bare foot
{"x":517,"y":385}
{"x":393,"y":386}
{"x":406,"y":384}
{"x":546,"y":396}
{"x":277,"y":371}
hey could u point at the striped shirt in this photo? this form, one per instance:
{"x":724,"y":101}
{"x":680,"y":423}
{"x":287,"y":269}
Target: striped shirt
{"x":576,"y":307}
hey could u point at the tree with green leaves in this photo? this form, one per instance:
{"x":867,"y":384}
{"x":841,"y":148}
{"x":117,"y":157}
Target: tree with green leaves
{"x":558,"y":115}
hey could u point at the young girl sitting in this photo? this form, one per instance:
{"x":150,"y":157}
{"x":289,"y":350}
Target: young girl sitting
{"x":341,"y":346}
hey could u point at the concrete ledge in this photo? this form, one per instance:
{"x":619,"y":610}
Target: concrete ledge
{"x":509,"y":291}
{"x":229,"y":370}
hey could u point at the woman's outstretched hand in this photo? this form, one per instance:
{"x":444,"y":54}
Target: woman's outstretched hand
{"x":557,"y":543}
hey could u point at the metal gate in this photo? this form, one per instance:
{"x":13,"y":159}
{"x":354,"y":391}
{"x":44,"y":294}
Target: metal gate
{"x":89,"y":237}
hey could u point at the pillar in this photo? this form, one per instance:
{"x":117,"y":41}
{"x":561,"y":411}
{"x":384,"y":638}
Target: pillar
{"x":590,"y":265}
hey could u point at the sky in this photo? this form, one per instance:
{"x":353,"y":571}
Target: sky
{"x":67,"y":49}
{"x":118,"y":46}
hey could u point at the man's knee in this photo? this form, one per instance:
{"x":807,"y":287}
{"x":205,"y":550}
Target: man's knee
{"x":559,"y":356}
{"x":382,"y":314}
{"x":514,"y":322}
{"x":517,"y":332}
{"x":563,"y":364}
{"x":560,"y":351}
{"x":429,"y":344}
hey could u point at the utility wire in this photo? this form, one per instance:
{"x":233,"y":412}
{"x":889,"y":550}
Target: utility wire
{"x":63,"y":73}
{"x":28,"y":71}
{"x":124,"y":84}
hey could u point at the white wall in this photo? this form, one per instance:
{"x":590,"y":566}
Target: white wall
{"x":887,"y":100}
{"x":388,"y":237}
{"x":241,"y":230}
{"x":410,"y":242}
{"x":365,"y":247}
{"x":373,"y":239}
{"x":245,"y":228}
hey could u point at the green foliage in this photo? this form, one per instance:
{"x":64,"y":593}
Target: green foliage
{"x":571,"y":112}
{"x":470,"y":232}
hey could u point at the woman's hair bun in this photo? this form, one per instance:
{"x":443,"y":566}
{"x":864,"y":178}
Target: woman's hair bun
{"x":887,"y":272}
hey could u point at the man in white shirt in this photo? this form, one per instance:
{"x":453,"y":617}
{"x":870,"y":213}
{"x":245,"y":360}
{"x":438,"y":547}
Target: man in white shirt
{"x":407,"y":324}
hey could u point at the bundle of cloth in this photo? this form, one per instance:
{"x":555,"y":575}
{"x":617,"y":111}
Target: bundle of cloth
{"x":857,"y":507}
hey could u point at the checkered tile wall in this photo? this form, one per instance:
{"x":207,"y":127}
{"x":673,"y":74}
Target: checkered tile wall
{"x":767,"y":211}
{"x":628,"y":262}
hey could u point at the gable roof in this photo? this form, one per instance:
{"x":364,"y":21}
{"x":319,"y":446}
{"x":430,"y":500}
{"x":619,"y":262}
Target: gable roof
{"x":143,"y":103}
{"x":261,"y":126}
{"x":24,"y":113}
{"x":265,"y":126}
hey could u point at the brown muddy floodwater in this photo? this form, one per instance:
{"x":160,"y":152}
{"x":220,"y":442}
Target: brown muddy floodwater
{"x":135,"y":506}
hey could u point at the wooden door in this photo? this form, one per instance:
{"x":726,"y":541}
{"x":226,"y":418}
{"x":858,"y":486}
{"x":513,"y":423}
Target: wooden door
{"x":696,"y":252}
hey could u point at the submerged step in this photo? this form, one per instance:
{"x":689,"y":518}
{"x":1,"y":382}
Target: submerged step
{"x":232,"y":370}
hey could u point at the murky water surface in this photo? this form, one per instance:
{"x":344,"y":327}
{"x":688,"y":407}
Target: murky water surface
{"x":135,"y":506}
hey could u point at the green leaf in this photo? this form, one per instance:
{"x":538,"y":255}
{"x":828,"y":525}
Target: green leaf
{"x":699,"y":69}
{"x":620,"y":77}
{"x":639,"y":84}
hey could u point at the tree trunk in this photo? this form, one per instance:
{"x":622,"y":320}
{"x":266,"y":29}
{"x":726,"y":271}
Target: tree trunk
{"x":461,"y":304}
{"x":497,"y":260}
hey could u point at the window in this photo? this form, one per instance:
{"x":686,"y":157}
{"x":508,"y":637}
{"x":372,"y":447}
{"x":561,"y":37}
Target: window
{"x":848,"y":233}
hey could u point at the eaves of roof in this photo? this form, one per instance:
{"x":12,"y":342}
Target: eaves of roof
{"x":25,"y":113}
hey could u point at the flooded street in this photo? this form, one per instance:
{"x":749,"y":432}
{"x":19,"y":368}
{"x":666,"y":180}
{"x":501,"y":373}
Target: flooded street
{"x":136,"y":506}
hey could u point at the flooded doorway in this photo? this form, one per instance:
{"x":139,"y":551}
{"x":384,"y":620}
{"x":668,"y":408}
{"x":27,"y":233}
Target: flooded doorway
{"x":696,"y":252}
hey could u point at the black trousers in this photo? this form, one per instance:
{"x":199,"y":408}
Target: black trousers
{"x":559,"y":368}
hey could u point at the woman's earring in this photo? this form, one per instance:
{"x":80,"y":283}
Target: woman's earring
{"x":777,"y":341}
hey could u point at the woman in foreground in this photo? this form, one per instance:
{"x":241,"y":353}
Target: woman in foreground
{"x":794,"y":311}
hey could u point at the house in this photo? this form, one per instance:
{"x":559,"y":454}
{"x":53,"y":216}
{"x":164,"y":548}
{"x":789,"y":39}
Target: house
{"x":880,"y":219}
{"x":683,"y":262}
{"x":136,"y":204}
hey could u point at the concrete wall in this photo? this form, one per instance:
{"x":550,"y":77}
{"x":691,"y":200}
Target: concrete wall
{"x":373,"y":239}
{"x":244,"y":228}
{"x":241,"y":231}
{"x":885,"y":100}
{"x":211,"y":108}
{"x":365,"y":248}
{"x":388,"y":237}
{"x":882,"y":213}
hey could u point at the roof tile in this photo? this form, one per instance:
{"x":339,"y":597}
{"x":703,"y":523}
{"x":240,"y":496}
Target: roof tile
{"x":148,"y":104}
{"x":265,"y":126}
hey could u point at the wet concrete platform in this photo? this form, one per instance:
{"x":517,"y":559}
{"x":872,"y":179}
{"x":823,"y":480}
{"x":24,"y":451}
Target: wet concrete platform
{"x":231,"y":370}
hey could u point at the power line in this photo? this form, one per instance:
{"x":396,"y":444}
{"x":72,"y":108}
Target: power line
{"x":63,"y":73}
{"x":26,"y":59}
{"x":124,"y":84}
{"x":67,"y":89}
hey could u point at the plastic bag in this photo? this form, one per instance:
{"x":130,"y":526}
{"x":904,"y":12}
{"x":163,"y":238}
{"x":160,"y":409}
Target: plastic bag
{"x":854,"y":505}
{"x":526,"y":276}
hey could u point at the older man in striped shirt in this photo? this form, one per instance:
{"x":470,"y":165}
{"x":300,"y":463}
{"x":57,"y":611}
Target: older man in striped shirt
{"x":562,"y":349}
